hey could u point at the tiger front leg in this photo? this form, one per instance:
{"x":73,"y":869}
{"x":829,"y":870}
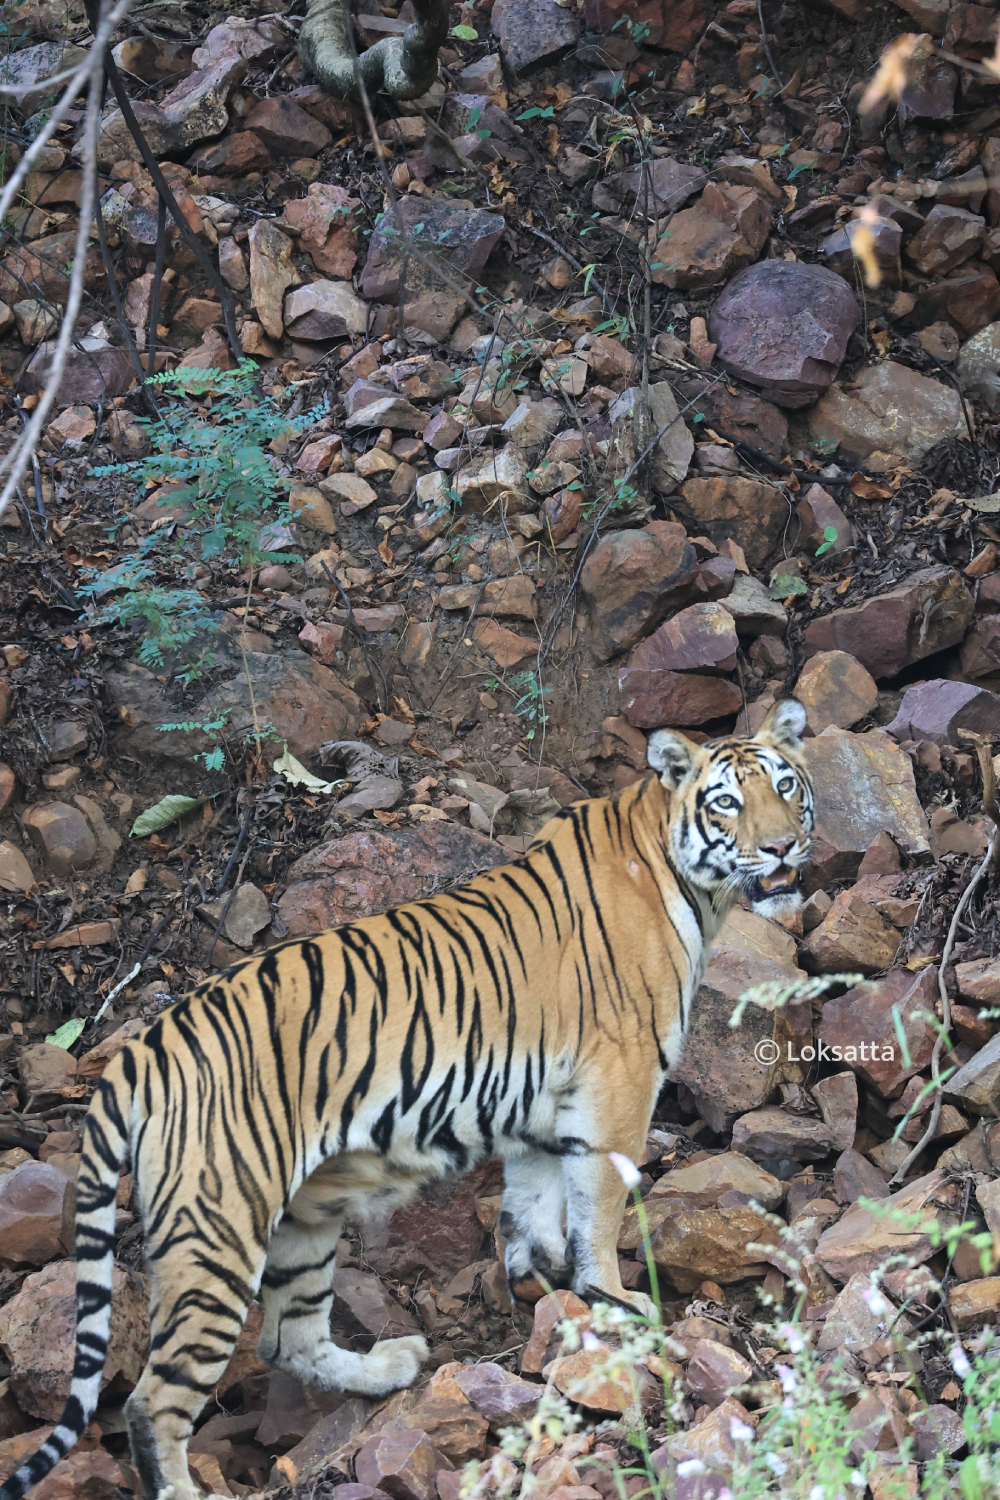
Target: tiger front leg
{"x":596,"y":1197}
{"x":297,"y":1292}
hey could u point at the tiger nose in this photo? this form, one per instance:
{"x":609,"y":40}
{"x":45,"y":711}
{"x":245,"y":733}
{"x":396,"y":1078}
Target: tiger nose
{"x":778,"y":847}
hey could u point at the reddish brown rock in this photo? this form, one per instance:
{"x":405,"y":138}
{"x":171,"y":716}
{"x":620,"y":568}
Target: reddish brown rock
{"x":714,"y":1371}
{"x":691,"y":1243}
{"x":8,"y":781}
{"x":783,"y":326}
{"x":38,"y":1336}
{"x":31,"y":1208}
{"x":463,"y":240}
{"x":363,"y":1306}
{"x":856,"y":1177}
{"x":949,"y":236}
{"x":650,"y":699}
{"x":584,"y":1378}
{"x":667,"y":186}
{"x":754,"y":515}
{"x":723,"y":232}
{"x":884,"y":241}
{"x":448,"y":1418}
{"x":864,"y":785}
{"x":750,"y":418}
{"x":864,"y":1238}
{"x":951,"y":834}
{"x":286,"y":129}
{"x":503,"y":1399}
{"x":970,"y":300}
{"x":819,"y":513}
{"x":833,"y":688}
{"x":367,"y":872}
{"x":852,"y":937}
{"x":674,"y":25}
{"x":62,"y":834}
{"x":545,"y":1339}
{"x":773,"y":1134}
{"x":632,"y":579}
{"x":932,"y":609}
{"x":327,"y":228}
{"x":561,"y":513}
{"x":401,"y":1464}
{"x":860,"y":1026}
{"x":234,"y":156}
{"x":972,"y":31}
{"x":980,"y":653}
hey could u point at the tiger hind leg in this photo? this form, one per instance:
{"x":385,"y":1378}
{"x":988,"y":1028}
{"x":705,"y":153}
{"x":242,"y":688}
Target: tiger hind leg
{"x":192,"y":1336}
{"x":298,"y":1297}
{"x":533,"y":1219}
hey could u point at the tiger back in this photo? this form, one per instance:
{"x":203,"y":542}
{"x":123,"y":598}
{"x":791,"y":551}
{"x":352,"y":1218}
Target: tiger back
{"x":531,"y":1013}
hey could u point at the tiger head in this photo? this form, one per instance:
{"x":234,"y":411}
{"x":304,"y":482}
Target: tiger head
{"x":741,"y":810}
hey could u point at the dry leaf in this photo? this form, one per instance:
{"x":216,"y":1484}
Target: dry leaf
{"x":868,"y":489}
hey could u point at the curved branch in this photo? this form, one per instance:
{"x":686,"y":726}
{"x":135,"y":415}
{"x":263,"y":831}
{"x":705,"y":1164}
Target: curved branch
{"x":403,"y":67}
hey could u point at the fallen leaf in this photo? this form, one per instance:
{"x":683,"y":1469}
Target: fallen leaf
{"x":295,"y":773}
{"x":868,"y":489}
{"x":66,"y":1034}
{"x":163,"y":813}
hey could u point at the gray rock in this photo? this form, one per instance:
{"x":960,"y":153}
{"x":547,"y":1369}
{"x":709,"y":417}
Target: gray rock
{"x":864,"y":786}
{"x":30,"y":67}
{"x":533,"y":31}
{"x":894,"y":412}
{"x":976,"y":1086}
{"x":753,"y":609}
{"x":937,"y":710}
{"x":852,"y":1324}
{"x":773,"y":1134}
{"x":783,"y":326}
{"x":15,"y":873}
{"x":94,"y":370}
{"x":248,"y":914}
{"x":979,"y":366}
{"x":371,"y":793}
{"x":671,"y":183}
{"x":461,"y":240}
{"x":668,"y":464}
{"x":325,"y":310}
{"x":191,"y":112}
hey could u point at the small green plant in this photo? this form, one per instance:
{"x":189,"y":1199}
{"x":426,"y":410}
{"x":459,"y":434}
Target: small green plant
{"x":830,"y":535}
{"x":531,"y":703}
{"x":211,"y":457}
{"x":785,"y":585}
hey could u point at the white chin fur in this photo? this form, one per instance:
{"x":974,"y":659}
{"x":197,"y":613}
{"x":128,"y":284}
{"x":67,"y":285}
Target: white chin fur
{"x":781,"y":904}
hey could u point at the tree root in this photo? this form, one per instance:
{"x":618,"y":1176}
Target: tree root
{"x":401,"y":66}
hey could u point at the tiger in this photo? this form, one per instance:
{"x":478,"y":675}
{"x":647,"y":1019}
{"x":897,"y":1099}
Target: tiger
{"x":531,"y":1013}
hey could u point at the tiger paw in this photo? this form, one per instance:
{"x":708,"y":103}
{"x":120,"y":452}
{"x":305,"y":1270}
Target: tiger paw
{"x":396,"y":1362}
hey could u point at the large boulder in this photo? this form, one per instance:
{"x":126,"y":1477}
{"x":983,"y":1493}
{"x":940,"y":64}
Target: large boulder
{"x":864,"y":786}
{"x":783,"y":326}
{"x":632,"y":579}
{"x":932,"y":609}
{"x":893,"y":413}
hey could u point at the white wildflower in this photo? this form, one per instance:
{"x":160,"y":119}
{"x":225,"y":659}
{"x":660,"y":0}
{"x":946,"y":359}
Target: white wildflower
{"x":690,"y":1468}
{"x":626,"y":1169}
{"x":960,"y":1363}
{"x":739,"y":1431}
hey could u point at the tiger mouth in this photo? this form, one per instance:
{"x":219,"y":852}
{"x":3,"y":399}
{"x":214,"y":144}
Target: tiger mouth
{"x":784,"y":878}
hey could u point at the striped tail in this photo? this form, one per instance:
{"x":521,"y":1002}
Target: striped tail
{"x":105,"y":1150}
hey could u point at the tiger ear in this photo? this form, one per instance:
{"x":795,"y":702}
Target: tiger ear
{"x":785,"y":723}
{"x":671,"y":754}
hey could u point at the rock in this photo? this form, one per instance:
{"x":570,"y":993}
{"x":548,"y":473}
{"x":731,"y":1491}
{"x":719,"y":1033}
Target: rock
{"x":584,"y":1379}
{"x":717,"y":1063}
{"x":448,"y":1418}
{"x":632,"y":579}
{"x":400,"y":1464}
{"x":691,"y":1243}
{"x":351,"y":490}
{"x":674,"y":25}
{"x":855,"y":1177}
{"x":311,"y":704}
{"x":8,"y":784}
{"x":388,"y":411}
{"x":699,"y":638}
{"x":852,"y":937}
{"x":367,"y":872}
{"x":834,"y":688}
{"x":938,"y":709}
{"x":668,"y":464}
{"x":773,"y":1134}
{"x":74,"y":425}
{"x":530,"y":425}
{"x":462,"y":240}
{"x":932,"y":609}
{"x":286,"y":129}
{"x":194,"y":110}
{"x":975,"y":1086}
{"x":937,"y":1429}
{"x":31,"y":1208}
{"x":723,"y":232}
{"x":978,"y":366}
{"x":861,"y":1240}
{"x":714,"y":1372}
{"x":42,"y":265}
{"x":753,"y":609}
{"x":363,"y":1306}
{"x":949,"y":236}
{"x":89,"y":1470}
{"x":783,"y":326}
{"x":704,"y":1183}
{"x":858,"y":1029}
{"x":852,"y":1325}
{"x":325,"y":310}
{"x":940,"y":341}
{"x":271,"y":274}
{"x":233,"y":156}
{"x":248,"y":914}
{"x":975,"y":1303}
{"x":884,"y":241}
{"x":325,"y":220}
{"x":62,"y":835}
{"x":979,"y":981}
{"x":29,"y":68}
{"x":667,"y":186}
{"x":373,"y":792}
{"x":892,"y":411}
{"x":38,"y":1336}
{"x":837,"y":1098}
{"x":819,"y":514}
{"x":980,"y":653}
{"x":15,"y":873}
{"x":561,"y":513}
{"x":34,"y":323}
{"x":752,"y":514}
{"x":532,"y":32}
{"x":503,"y":1399}
{"x":652,"y":698}
{"x":709,"y":1442}
{"x":94,"y":371}
{"x":970,"y":298}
